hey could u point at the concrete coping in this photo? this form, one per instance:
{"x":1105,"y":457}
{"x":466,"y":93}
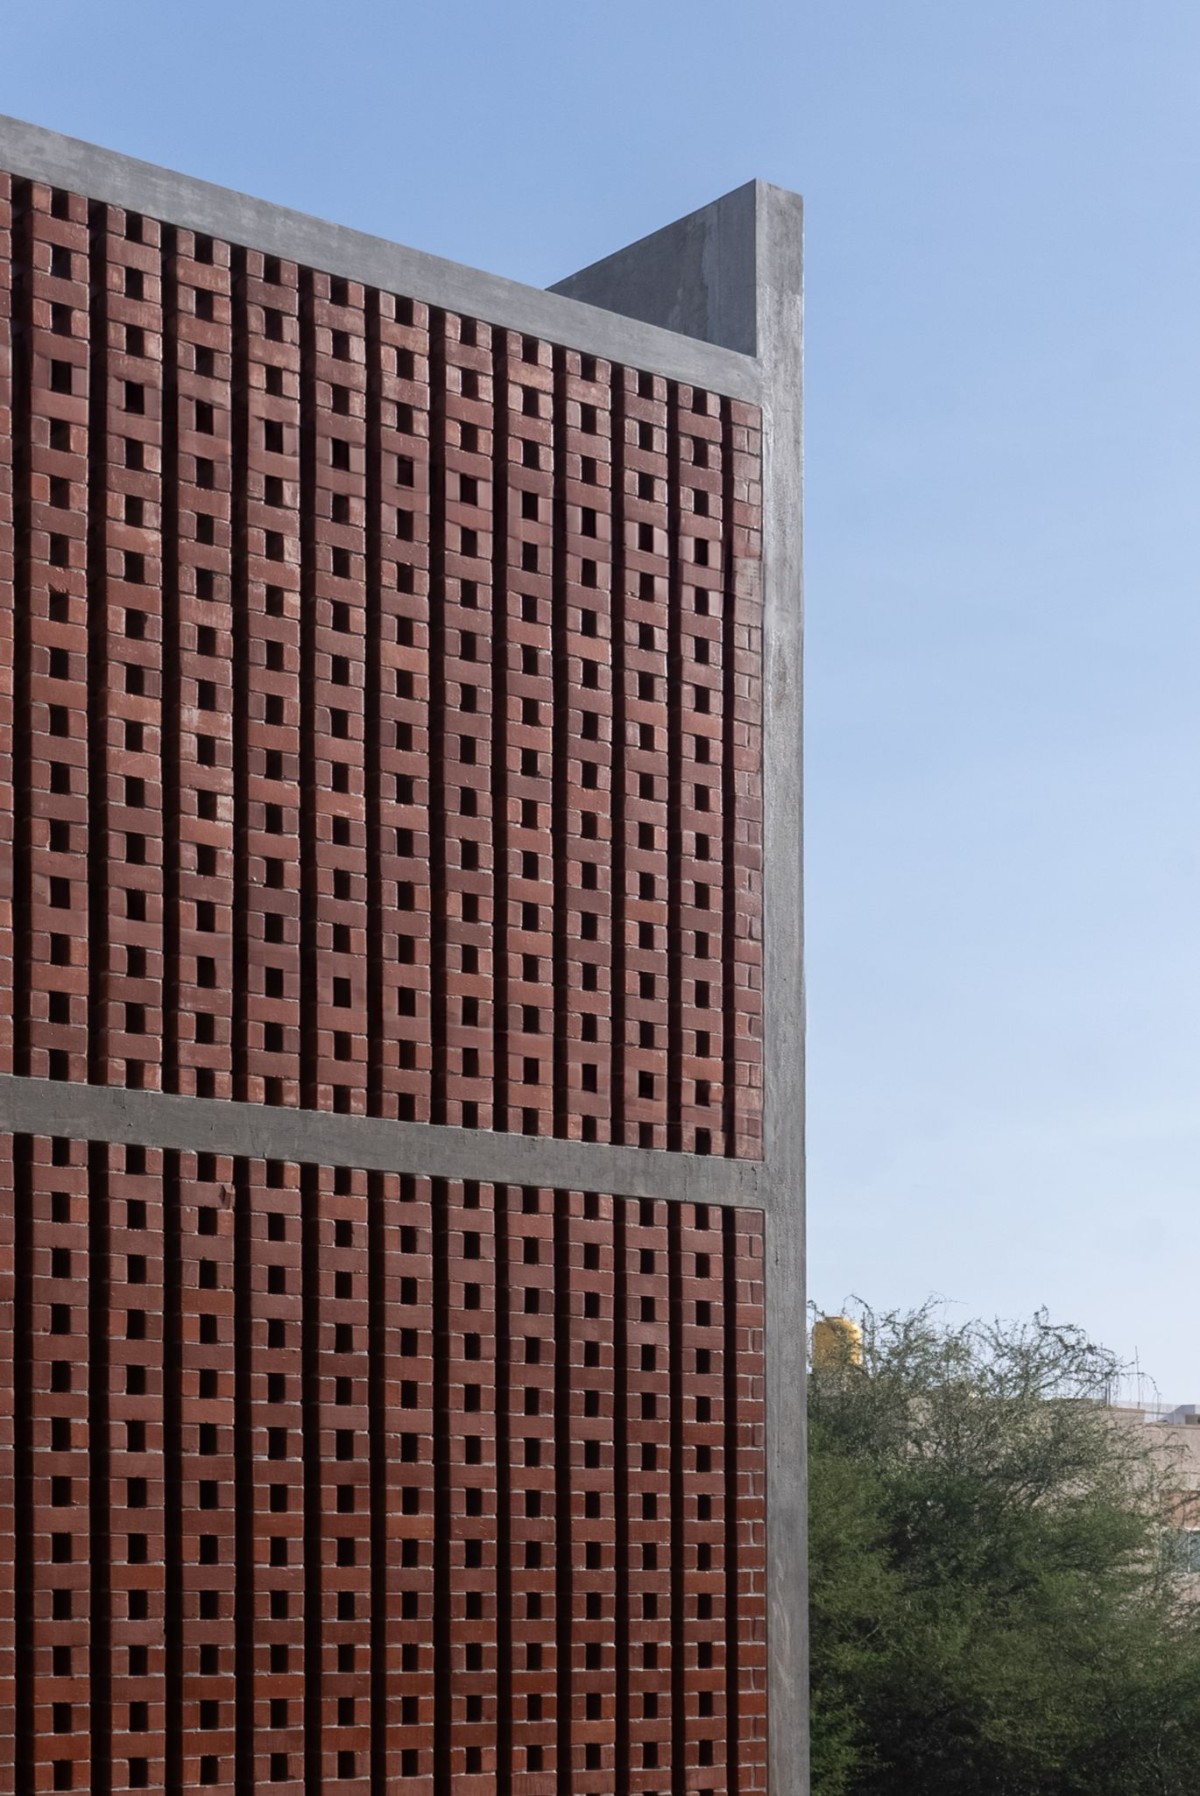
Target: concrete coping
{"x":36,"y":154}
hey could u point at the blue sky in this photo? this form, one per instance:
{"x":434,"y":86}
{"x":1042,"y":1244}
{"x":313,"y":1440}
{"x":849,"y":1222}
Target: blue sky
{"x":1003,"y":476}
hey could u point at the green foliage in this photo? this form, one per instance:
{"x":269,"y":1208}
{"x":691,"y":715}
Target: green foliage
{"x":991,"y":1611}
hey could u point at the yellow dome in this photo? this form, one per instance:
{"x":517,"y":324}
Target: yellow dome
{"x":836,"y":1341}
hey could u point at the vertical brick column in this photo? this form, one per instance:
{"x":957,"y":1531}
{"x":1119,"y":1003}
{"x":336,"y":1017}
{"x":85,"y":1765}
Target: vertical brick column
{"x":338,"y":1607}
{"x":398,"y":760}
{"x":271,"y":1598}
{"x":584,"y":1021}
{"x":702,"y":1627}
{"x":645,"y":671}
{"x":647,"y":1336}
{"x":700,"y":795}
{"x":199,"y":708}
{"x":125,"y":636}
{"x":56,"y":1670}
{"x":742,"y":651}
{"x":267,"y":672}
{"x":462,"y":817}
{"x":746,"y":1494}
{"x":51,"y":847}
{"x":334,"y":898}
{"x":206,"y":1691}
{"x":137,"y":1618}
{"x":590,"y":1571}
{"x":402,"y":1470}
{"x":469,"y":1471}
{"x":7,"y":642}
{"x":12,"y":1629}
{"x":527,"y":601}
{"x":528,"y":1632}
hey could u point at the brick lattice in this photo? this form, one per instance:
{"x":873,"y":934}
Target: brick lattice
{"x":380,"y":734}
{"x":330,"y":1480}
{"x":386,"y":700}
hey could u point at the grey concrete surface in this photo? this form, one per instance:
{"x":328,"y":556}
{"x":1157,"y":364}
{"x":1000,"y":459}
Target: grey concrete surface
{"x":696,"y":276}
{"x":41,"y":155}
{"x":259,"y":1132}
{"x":780,"y":340}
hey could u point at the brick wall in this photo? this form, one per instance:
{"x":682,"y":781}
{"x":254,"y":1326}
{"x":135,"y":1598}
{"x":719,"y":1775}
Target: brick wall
{"x":358,"y":1478}
{"x":380,"y":708}
{"x":387,"y":700}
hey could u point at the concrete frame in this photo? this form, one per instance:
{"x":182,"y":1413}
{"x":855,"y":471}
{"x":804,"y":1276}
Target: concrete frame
{"x":715,"y":300}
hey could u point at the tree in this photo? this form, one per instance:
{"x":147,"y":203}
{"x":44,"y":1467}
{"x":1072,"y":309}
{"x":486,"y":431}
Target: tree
{"x":992,"y":1612}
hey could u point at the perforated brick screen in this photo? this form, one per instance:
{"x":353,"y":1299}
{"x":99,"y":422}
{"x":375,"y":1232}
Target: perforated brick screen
{"x":328,"y":1480}
{"x":385,"y":700}
{"x":380,"y":704}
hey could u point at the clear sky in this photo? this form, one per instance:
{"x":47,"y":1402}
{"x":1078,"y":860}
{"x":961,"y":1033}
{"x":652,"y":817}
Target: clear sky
{"x":1003,"y":483}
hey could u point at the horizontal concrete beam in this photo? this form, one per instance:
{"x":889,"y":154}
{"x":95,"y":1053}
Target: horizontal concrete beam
{"x":40,"y":155}
{"x":262,"y":1132}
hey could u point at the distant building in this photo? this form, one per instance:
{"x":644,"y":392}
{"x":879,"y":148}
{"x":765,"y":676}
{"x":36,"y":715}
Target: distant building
{"x":1175,"y":1434}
